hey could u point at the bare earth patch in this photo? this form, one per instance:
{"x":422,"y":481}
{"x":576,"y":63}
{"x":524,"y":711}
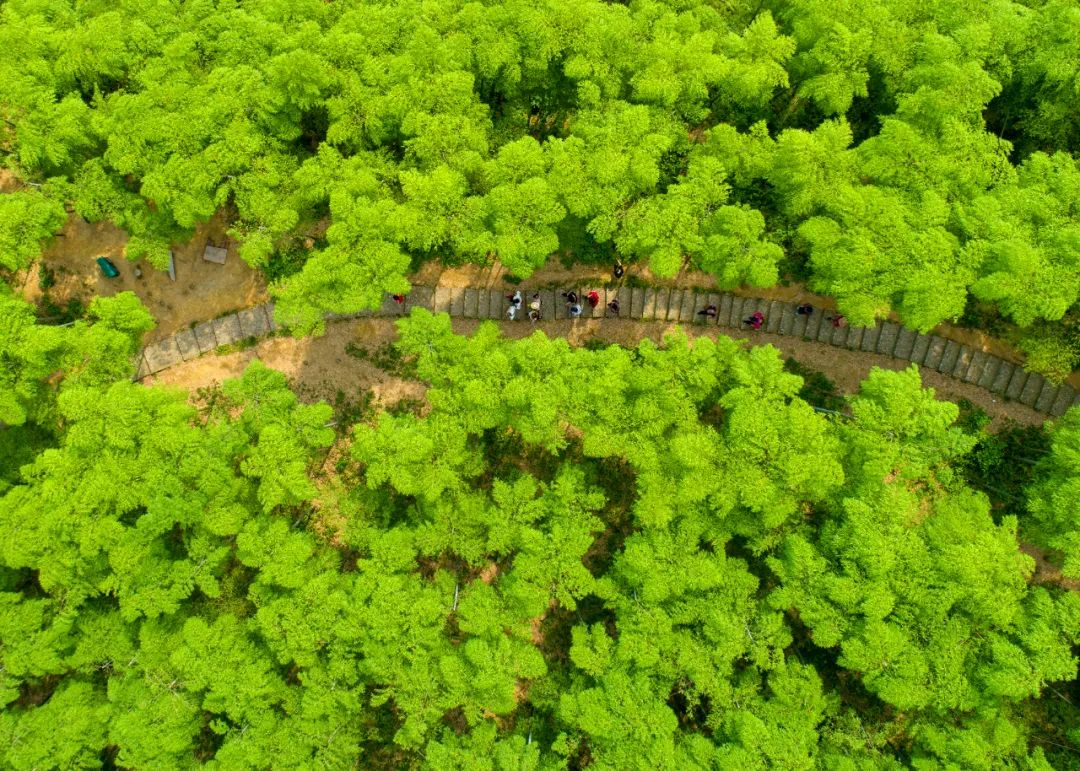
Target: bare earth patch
{"x":202,"y":290}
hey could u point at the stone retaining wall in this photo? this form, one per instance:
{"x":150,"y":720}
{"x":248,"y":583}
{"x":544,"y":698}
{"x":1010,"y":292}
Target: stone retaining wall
{"x":652,"y":304}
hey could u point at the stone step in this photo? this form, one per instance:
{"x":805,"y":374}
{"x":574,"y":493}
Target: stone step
{"x":826,"y":330}
{"x":963,"y":362}
{"x":723,"y":316}
{"x":420,"y":297}
{"x":1065,"y":398}
{"x":270,"y":316}
{"x":205,"y":337}
{"x":920,"y":348}
{"x":675,"y":303}
{"x":690,"y":306}
{"x":227,"y":330}
{"x":935,"y":352}
{"x":663,"y":302}
{"x":1003,"y":377}
{"x":738,"y":312}
{"x":637,"y":303}
{"x":990,"y":371}
{"x":443,"y":296}
{"x":457,"y":302}
{"x":551,"y":299}
{"x":648,"y":304}
{"x":870,"y":339}
{"x":162,"y":355}
{"x":976,"y":367}
{"x":854,"y":338}
{"x":472,"y":304}
{"x":773,"y":316}
{"x":1032,"y":389}
{"x":1046,"y":396}
{"x":625,"y":295}
{"x":905,"y":344}
{"x":483,"y":304}
{"x":187,"y":344}
{"x":1016,"y":383}
{"x":787,"y":319}
{"x":887,"y":335}
{"x":685,"y":311}
{"x":253,"y":322}
{"x":949,"y":357}
{"x":808,"y":326}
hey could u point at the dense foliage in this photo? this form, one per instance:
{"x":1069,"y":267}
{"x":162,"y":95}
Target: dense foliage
{"x":649,"y":558}
{"x":907,"y":157}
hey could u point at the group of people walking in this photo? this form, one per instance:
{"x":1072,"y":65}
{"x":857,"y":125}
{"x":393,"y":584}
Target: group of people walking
{"x":574,"y":307}
{"x":755,"y":320}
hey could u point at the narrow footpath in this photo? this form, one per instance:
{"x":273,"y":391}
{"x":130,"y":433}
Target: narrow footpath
{"x":941,"y":360}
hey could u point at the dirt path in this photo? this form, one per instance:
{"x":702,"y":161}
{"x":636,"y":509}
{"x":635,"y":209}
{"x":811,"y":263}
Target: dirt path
{"x":320,"y":367}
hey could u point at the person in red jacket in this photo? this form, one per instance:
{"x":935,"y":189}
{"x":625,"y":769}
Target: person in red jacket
{"x":594,"y":298}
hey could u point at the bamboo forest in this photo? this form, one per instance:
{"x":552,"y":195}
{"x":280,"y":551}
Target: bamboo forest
{"x":540,"y":384}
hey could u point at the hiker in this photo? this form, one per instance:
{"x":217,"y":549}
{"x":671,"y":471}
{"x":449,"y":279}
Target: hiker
{"x":534,"y":304}
{"x":613,"y":306}
{"x":805,"y":309}
{"x":571,"y":297}
{"x":617,"y":271}
{"x":575,"y":310}
{"x":755,"y":320}
{"x":709,"y":312}
{"x":838,"y":320}
{"x":515,"y":305}
{"x":534,"y":315}
{"x":594,"y":298}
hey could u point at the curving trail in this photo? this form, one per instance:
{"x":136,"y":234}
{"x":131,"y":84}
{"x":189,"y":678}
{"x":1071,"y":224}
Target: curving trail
{"x":967,"y":368}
